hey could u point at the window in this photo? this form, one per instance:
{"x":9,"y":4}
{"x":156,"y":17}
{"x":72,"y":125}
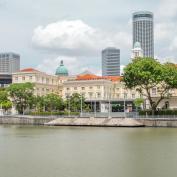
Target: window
{"x":67,"y":89}
{"x":83,"y":88}
{"x":16,"y":78}
{"x":90,"y":87}
{"x":83,"y":94}
{"x":90,"y":94}
{"x":23,"y":78}
{"x":98,"y":87}
{"x":30,"y":77}
{"x":75,"y":88}
{"x":133,"y":95}
{"x":154,"y":91}
{"x":98,"y":95}
{"x":167,"y":105}
{"x":125,"y":95}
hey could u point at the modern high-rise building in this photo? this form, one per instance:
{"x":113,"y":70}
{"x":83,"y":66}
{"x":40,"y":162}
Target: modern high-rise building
{"x":9,"y":63}
{"x":111,"y":62}
{"x":143,"y":32}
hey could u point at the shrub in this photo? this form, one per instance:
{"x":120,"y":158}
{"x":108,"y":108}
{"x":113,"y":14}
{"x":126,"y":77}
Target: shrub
{"x":53,"y":113}
{"x":159,"y":112}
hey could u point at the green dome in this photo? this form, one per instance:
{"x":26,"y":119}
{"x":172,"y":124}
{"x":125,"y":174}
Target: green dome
{"x":61,"y":70}
{"x":137,"y":45}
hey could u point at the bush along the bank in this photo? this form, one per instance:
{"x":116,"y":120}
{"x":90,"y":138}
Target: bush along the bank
{"x":54,"y":113}
{"x":159,"y":112}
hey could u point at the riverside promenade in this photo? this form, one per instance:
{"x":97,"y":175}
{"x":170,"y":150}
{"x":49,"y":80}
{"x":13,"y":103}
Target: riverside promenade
{"x":88,"y":121}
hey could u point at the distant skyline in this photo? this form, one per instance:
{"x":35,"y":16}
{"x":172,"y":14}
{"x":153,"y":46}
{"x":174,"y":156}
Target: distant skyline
{"x":44,"y":32}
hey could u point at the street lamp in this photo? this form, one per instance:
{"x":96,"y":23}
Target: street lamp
{"x":95,"y":106}
{"x":69,"y":111}
{"x":124,"y":106}
{"x":81,"y":105}
{"x":109,"y":113}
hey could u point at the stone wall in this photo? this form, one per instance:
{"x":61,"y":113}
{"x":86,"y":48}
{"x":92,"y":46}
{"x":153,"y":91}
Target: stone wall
{"x":114,"y":122}
{"x":24,"y":120}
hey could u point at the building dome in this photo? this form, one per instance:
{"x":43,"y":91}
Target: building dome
{"x":61,"y":70}
{"x":137,"y":45}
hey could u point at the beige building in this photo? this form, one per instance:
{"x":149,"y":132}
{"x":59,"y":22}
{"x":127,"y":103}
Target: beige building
{"x":96,"y":89}
{"x":44,"y":83}
{"x":101,"y":90}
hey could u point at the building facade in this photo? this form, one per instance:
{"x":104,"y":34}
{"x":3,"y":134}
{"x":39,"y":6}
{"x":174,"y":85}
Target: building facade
{"x":9,"y":63}
{"x":43,"y":83}
{"x":143,"y":32}
{"x":106,"y":92}
{"x":111,"y":62}
{"x":102,"y":91}
{"x":137,"y":51}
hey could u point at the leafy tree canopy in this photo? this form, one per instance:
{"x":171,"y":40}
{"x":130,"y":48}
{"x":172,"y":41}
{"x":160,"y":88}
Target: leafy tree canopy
{"x":147,"y":73}
{"x":75,"y":101}
{"x":22,"y":95}
{"x":4,"y":100}
{"x":52,"y":102}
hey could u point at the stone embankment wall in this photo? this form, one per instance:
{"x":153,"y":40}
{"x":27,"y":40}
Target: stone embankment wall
{"x":104,"y":122}
{"x":158,"y":122}
{"x":24,"y":120}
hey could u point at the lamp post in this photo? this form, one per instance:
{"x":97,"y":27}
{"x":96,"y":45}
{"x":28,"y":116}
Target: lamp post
{"x":69,"y":111}
{"x":95,"y":106}
{"x":124,"y":106}
{"x":81,"y":105}
{"x":109,"y":113}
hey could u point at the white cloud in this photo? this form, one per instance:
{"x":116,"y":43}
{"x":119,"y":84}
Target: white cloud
{"x":166,"y":29}
{"x":173,"y":45}
{"x":167,"y":9}
{"x":77,"y":38}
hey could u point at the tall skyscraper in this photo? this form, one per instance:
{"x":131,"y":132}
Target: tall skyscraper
{"x":143,"y":32}
{"x":111,"y":62}
{"x":9,"y":63}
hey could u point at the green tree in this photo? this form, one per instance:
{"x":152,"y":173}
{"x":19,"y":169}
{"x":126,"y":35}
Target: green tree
{"x":75,"y":101}
{"x":144,"y":74}
{"x":22,"y":95}
{"x":53,"y":102}
{"x":4,"y":100}
{"x":138,"y":102}
{"x":39,"y":103}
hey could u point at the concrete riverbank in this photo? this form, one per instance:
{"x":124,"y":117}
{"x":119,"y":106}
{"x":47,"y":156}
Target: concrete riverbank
{"x":99,"y":122}
{"x":25,"y":120}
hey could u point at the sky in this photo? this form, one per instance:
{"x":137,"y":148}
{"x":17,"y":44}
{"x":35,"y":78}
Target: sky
{"x":44,"y":32}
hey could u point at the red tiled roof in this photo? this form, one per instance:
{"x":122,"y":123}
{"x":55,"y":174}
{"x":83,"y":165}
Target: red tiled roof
{"x":29,"y":70}
{"x":94,"y":77}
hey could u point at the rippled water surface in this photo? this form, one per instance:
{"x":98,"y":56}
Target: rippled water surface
{"x":31,"y":151}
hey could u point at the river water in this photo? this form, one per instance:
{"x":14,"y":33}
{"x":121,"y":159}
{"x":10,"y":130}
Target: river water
{"x":31,"y":151}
